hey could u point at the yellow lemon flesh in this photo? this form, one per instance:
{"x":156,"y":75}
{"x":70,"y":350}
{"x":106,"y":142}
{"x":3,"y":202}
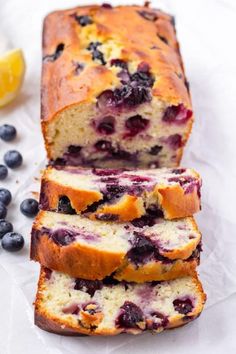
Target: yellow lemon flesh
{"x":12,"y":70}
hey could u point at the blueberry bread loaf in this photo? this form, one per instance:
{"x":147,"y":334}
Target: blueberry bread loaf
{"x":114,"y":92}
{"x":145,"y":250}
{"x":121,"y":195}
{"x":73,"y":306}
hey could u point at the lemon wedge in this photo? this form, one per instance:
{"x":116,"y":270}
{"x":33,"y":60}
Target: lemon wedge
{"x":12,"y":70}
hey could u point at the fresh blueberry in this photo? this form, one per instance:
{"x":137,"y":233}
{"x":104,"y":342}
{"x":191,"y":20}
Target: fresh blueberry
{"x":29,"y":207}
{"x":5,"y":227}
{"x":3,"y":172}
{"x":3,"y":211}
{"x":13,"y":159}
{"x":12,"y":242}
{"x":5,"y":196}
{"x":7,"y":132}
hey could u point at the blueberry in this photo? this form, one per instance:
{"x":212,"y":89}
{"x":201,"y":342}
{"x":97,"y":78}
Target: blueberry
{"x":58,"y":52}
{"x":13,"y":159}
{"x":63,"y":237}
{"x":89,"y":286}
{"x":183,"y":306}
{"x":5,"y":227}
{"x":7,"y":132}
{"x":130,"y":315}
{"x":103,"y":145}
{"x":12,"y":242}
{"x":3,"y":211}
{"x":98,"y":55}
{"x":5,"y":196}
{"x":3,"y":172}
{"x":64,"y":205}
{"x":155,"y":150}
{"x":135,"y":125}
{"x":177,"y":114}
{"x":29,"y":207}
{"x":84,"y":20}
{"x":106,"y":126}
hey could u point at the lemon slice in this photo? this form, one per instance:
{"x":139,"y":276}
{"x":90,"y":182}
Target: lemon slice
{"x":12,"y":70}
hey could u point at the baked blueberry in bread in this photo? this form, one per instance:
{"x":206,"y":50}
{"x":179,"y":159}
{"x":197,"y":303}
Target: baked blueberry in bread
{"x":114,"y":92}
{"x":71,"y":306}
{"x":121,"y":195}
{"x":146,"y":249}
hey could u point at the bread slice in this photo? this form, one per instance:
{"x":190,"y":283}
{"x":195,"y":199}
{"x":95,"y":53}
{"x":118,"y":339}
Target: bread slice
{"x":121,"y":195}
{"x":70,"y":306}
{"x":114,"y":92}
{"x":145,"y":250}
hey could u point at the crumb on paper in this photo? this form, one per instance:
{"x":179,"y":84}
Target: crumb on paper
{"x":35,"y":194}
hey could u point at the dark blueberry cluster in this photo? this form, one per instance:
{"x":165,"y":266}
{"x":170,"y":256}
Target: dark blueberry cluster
{"x":96,"y":53}
{"x":89,"y":286}
{"x":11,"y":241}
{"x":57,"y":53}
{"x":135,"y":89}
{"x":142,"y":248}
{"x":11,"y":158}
{"x":130,"y":316}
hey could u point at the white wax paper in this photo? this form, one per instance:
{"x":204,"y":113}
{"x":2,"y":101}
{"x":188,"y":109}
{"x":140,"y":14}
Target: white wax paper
{"x":206,"y":31}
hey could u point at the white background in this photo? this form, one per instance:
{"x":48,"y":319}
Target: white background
{"x":206,"y":30}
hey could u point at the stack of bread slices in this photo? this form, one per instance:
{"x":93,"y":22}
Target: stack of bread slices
{"x":116,"y":238}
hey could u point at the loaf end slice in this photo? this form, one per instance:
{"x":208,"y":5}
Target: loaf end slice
{"x":71,"y":306}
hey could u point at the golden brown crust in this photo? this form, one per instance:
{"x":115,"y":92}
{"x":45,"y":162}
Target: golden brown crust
{"x":156,"y":271}
{"x":54,"y":324}
{"x":60,"y":88}
{"x":172,"y":199}
{"x":88,"y":262}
